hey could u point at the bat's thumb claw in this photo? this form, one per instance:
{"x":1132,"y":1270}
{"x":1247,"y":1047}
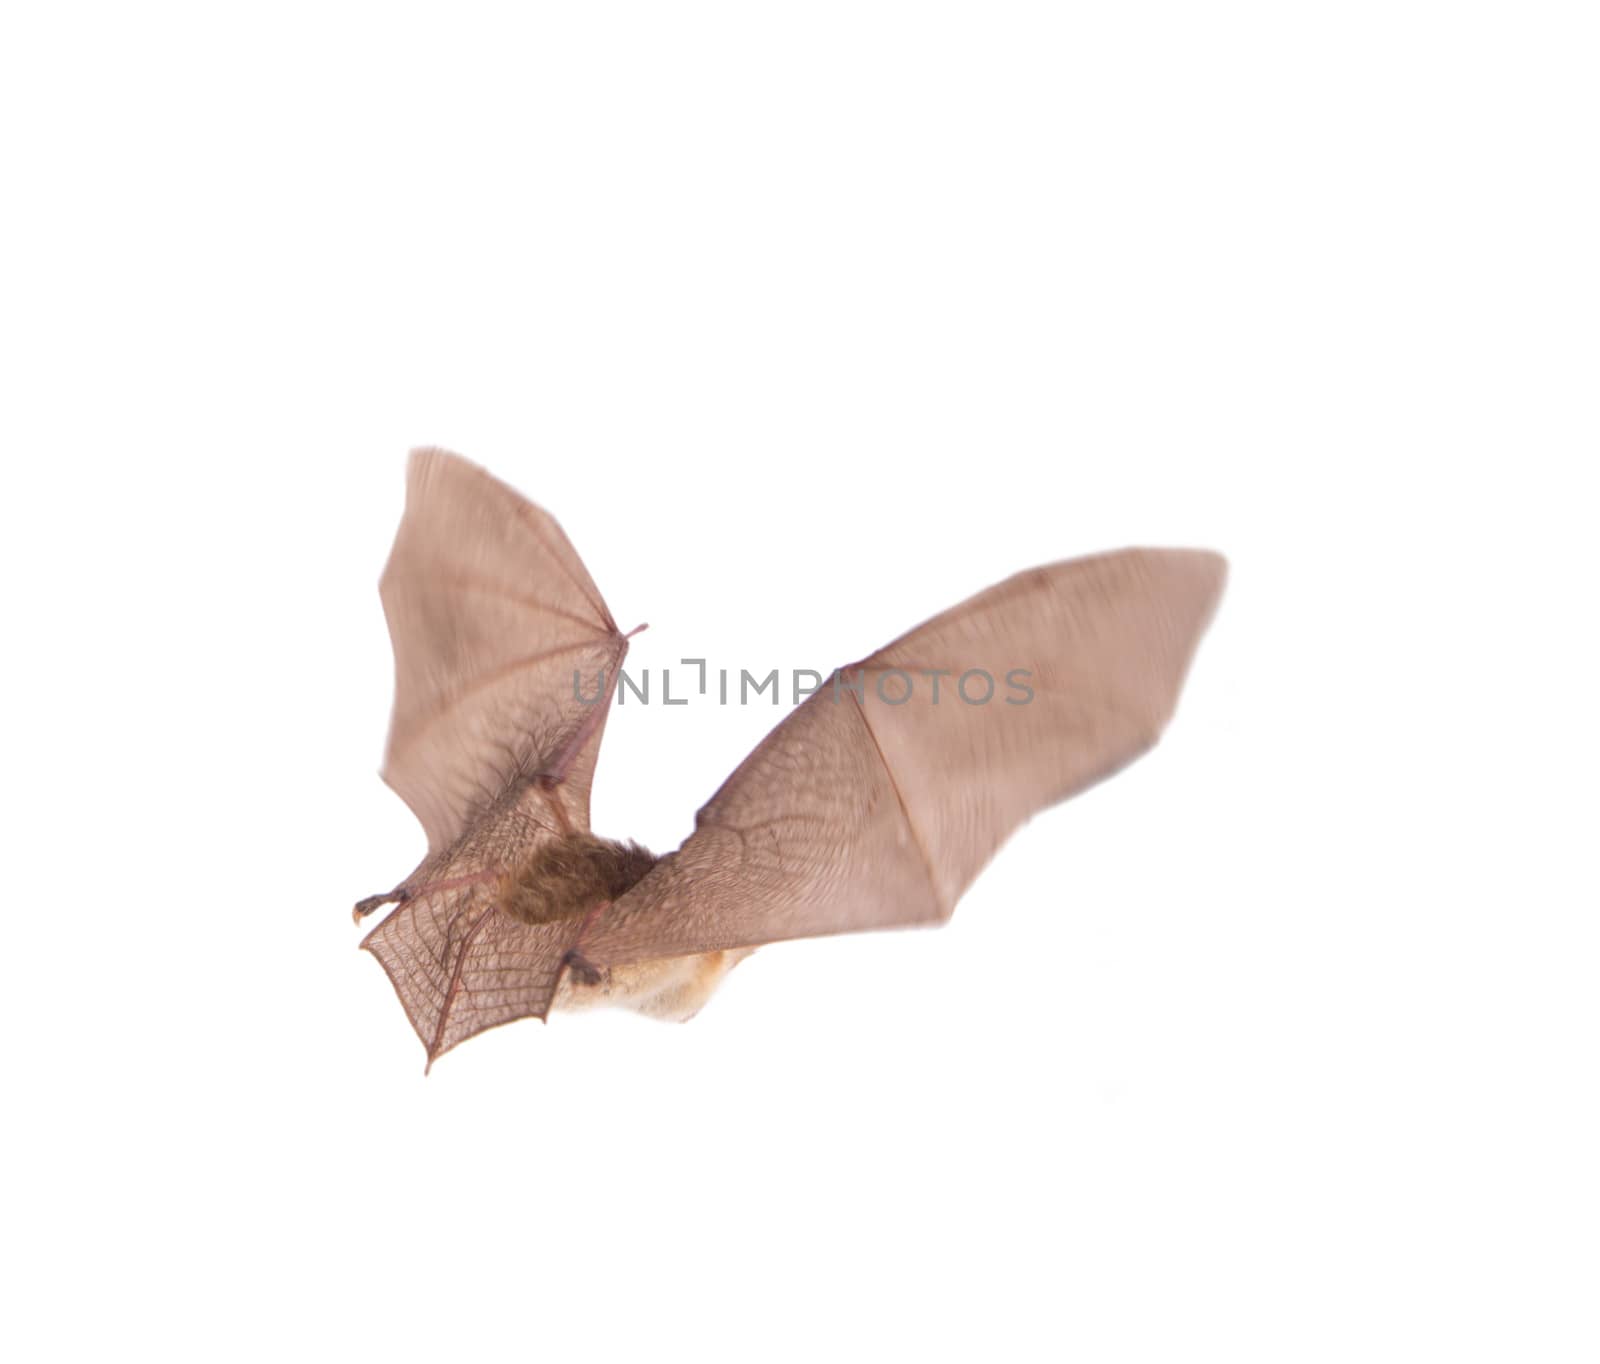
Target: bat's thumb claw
{"x":583,"y":970}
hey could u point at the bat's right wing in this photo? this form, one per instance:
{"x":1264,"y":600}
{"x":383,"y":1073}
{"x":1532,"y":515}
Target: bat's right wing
{"x":500,"y":637}
{"x":506,"y":660}
{"x":865,"y":810}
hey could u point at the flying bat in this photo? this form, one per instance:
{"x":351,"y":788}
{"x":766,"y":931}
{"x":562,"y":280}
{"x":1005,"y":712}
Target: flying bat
{"x":874,"y":804}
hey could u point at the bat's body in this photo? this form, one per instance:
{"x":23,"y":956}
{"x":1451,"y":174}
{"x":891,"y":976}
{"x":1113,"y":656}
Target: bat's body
{"x":578,"y":874}
{"x":868,"y":807}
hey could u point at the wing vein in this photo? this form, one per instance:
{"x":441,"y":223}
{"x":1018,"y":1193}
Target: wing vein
{"x":455,"y":982}
{"x":945,"y":910}
{"x":522,"y":510}
{"x":489,"y":679}
{"x":489,"y":589}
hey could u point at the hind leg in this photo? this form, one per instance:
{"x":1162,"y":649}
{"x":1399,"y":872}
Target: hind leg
{"x":404,"y":894}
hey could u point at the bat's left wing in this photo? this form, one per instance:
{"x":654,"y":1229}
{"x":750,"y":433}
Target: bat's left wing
{"x":873,"y":805}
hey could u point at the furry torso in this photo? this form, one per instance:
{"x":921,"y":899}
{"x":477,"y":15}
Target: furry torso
{"x":570,"y":875}
{"x":576,"y":873}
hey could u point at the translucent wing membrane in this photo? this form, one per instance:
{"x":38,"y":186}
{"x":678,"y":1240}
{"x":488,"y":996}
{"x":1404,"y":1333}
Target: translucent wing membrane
{"x":460,"y":966}
{"x":506,"y":660}
{"x":492,"y":615}
{"x":876,"y":805}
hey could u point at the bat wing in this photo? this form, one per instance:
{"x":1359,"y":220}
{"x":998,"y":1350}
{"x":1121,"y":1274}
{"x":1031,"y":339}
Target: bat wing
{"x":506,"y":660}
{"x":460,"y":966}
{"x":499,"y":633}
{"x":870,"y":808}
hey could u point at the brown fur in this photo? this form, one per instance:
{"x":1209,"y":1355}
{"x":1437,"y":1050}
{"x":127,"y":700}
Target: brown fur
{"x":673,"y":989}
{"x":570,"y":876}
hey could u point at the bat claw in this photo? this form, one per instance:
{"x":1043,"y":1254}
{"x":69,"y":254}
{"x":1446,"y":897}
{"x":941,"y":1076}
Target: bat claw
{"x":372,"y":902}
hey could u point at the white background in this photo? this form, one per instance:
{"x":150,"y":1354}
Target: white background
{"x":807,"y":322}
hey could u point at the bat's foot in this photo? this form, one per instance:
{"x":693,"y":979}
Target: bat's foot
{"x":408,"y":893}
{"x":372,"y":902}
